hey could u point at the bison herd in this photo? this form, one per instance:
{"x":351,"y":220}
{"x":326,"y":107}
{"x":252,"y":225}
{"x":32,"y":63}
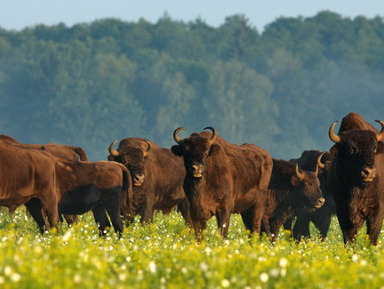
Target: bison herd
{"x":203,"y":176}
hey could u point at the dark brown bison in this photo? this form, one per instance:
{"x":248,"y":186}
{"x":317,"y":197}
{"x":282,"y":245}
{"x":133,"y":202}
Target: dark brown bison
{"x":356,"y":177}
{"x":98,"y":186}
{"x":289,"y":190}
{"x":311,"y":160}
{"x":222,"y":179}
{"x":157,"y":177}
{"x":27,"y":174}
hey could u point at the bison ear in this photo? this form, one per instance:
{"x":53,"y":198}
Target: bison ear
{"x":176,"y":149}
{"x":380,"y":148}
{"x":214,"y":149}
{"x":295,"y":181}
{"x":334,"y":151}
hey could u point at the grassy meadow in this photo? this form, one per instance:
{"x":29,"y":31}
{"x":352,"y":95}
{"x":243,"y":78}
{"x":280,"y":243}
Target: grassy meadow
{"x":164,"y":254}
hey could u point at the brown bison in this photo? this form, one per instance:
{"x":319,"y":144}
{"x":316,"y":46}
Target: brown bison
{"x":27,"y":174}
{"x":311,"y":160}
{"x":157,"y":176}
{"x":64,"y":151}
{"x":289,"y":190}
{"x":98,"y":186}
{"x":356,"y":176}
{"x":222,"y":179}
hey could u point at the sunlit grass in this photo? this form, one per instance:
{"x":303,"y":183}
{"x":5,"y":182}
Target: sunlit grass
{"x":164,"y":254}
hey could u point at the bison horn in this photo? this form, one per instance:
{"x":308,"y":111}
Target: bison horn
{"x":334,"y":137}
{"x":175,"y":136}
{"x":319,"y":163}
{"x":213,"y":137}
{"x":146,"y":153}
{"x":113,"y":152}
{"x":380,"y":135}
{"x":298,"y":174}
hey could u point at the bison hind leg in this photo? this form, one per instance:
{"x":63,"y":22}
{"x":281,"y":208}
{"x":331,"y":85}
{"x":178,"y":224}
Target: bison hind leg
{"x":101,"y":219}
{"x":252,"y":219}
{"x":113,"y":209}
{"x":35,"y":209}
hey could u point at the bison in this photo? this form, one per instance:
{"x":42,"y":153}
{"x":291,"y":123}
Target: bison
{"x":289,"y":190}
{"x":64,"y":151}
{"x":98,"y":186}
{"x":310,"y":160}
{"x":222,"y":179}
{"x":356,"y":177}
{"x":157,"y":177}
{"x":26,"y":175}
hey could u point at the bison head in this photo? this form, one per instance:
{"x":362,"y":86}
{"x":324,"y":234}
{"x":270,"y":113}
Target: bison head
{"x":195,"y":150}
{"x":355,"y":152}
{"x":307,"y":189}
{"x":132,"y":158}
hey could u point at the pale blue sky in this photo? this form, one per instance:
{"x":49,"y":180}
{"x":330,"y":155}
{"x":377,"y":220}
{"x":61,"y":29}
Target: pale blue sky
{"x":18,"y":14}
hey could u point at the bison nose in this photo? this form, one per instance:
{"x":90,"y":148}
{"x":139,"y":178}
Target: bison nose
{"x":319,"y":202}
{"x":368,"y":173}
{"x":197,"y":170}
{"x":138,"y":180}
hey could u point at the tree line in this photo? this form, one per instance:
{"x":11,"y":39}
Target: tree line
{"x":92,"y":83}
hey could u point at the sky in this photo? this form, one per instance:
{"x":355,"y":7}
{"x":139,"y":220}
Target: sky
{"x":18,"y":14}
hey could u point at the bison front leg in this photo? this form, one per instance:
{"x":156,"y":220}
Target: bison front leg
{"x":252,"y":218}
{"x":323,"y":225}
{"x":183,"y":207}
{"x":199,"y":227}
{"x":147,"y":212}
{"x":301,"y":229}
{"x":223,"y":219}
{"x":50,"y":205}
{"x":374,"y":224}
{"x":348,"y":228}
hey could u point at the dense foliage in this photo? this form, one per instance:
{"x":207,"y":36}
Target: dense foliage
{"x":91,"y":83}
{"x":164,"y":254}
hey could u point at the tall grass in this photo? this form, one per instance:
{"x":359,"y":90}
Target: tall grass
{"x":164,"y":254}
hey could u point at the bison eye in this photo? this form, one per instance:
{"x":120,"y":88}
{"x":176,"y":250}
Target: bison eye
{"x":305,"y":184}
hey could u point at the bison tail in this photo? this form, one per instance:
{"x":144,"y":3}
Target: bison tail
{"x":127,"y":196}
{"x":81,"y":153}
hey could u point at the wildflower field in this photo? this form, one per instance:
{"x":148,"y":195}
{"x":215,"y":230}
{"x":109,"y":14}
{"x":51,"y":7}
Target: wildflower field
{"x":164,"y":254}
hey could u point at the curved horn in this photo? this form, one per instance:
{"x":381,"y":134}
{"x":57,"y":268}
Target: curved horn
{"x":214,"y":134}
{"x":113,"y":152}
{"x":146,"y":153}
{"x":298,"y":174}
{"x":175,"y":136}
{"x":334,"y":137}
{"x":380,"y":135}
{"x":319,"y":163}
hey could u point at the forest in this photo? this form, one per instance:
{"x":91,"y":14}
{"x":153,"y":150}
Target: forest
{"x":281,"y":88}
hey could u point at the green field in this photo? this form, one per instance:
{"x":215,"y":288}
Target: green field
{"x":164,"y":254}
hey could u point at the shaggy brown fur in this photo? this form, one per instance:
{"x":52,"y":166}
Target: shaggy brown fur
{"x":222,"y":179}
{"x":356,"y":179}
{"x":157,"y":176}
